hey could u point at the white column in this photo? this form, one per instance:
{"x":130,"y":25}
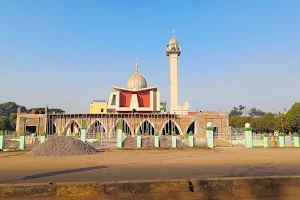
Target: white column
{"x":173,"y":59}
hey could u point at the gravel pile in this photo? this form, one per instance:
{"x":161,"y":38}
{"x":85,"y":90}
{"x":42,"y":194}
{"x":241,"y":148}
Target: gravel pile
{"x":148,"y":142}
{"x":62,"y":146}
{"x":129,"y":142}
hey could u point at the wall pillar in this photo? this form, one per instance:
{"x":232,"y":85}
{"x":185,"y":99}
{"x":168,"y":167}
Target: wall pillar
{"x":43,"y":137}
{"x":281,"y":139}
{"x":139,"y":140}
{"x":296,"y":140}
{"x":209,"y":135}
{"x":266,"y":141}
{"x":191,"y":139}
{"x":1,"y":140}
{"x":248,"y":135}
{"x":83,"y":131}
{"x":174,"y":138}
{"x":156,"y":140}
{"x":22,"y":141}
{"x":120,"y":133}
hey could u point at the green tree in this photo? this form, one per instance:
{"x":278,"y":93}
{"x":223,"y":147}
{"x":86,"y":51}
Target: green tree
{"x":9,"y":107}
{"x":238,"y":121}
{"x":292,"y":118}
{"x":4,"y":123}
{"x":237,"y":111}
{"x":12,"y":121}
{"x":254,"y":112}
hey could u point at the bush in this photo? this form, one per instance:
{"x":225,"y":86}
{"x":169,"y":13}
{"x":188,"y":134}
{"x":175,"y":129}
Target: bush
{"x":146,"y":134}
{"x":63,"y":134}
{"x":187,"y":135}
{"x":266,"y":135}
{"x":174,"y":134}
{"x":22,"y":134}
{"x":55,"y":134}
{"x":120,"y":124}
{"x":83,"y":124}
{"x":43,"y":134}
{"x":14,"y":135}
{"x":248,"y":129}
{"x":210,"y":128}
{"x":296,"y":135}
{"x":139,"y":133}
{"x":76,"y":135}
{"x":166,"y":134}
{"x":126,"y":134}
{"x":191,"y":133}
{"x":281,"y":134}
{"x":1,"y":133}
{"x":156,"y":134}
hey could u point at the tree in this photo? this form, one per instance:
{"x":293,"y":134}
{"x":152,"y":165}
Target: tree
{"x":238,"y":121}
{"x":12,"y":121}
{"x":292,"y":118}
{"x":237,"y":111}
{"x":254,"y":112}
{"x":9,"y":107}
{"x":4,"y":123}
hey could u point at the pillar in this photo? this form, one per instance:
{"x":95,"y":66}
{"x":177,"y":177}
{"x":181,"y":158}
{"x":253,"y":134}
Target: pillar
{"x":191,"y":139}
{"x":139,"y":140}
{"x":83,"y":131}
{"x":156,"y":140}
{"x":248,"y":135}
{"x":296,"y":140}
{"x":43,"y":137}
{"x":209,"y":135}
{"x":281,"y":139}
{"x":174,"y":138}
{"x":22,"y":141}
{"x":1,"y":140}
{"x":120,"y":133}
{"x":266,"y":141}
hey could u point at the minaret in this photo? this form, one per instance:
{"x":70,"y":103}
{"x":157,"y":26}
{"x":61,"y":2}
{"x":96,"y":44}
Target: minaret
{"x":173,"y":52}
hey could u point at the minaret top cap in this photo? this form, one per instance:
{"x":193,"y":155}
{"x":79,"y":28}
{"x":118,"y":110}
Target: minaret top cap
{"x":173,"y":45}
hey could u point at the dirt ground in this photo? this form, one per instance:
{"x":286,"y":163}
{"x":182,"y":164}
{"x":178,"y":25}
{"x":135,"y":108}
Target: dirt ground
{"x":131,"y":164}
{"x":18,"y":161}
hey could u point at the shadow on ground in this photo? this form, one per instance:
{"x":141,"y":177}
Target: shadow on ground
{"x":55,"y":173}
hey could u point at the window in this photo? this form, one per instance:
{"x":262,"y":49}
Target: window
{"x":113,"y":103}
{"x":101,"y":109}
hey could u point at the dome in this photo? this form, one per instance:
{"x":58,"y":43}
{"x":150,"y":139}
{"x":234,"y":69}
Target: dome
{"x":173,"y":46}
{"x":173,"y":41}
{"x":136,"y":81}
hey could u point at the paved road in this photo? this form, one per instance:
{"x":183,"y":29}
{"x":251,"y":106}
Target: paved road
{"x":121,"y":173}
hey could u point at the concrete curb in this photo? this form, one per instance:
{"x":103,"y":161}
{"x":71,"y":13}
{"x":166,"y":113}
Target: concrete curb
{"x":224,"y":188}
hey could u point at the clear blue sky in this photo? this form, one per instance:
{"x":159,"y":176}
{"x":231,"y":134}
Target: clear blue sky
{"x":68,"y":53}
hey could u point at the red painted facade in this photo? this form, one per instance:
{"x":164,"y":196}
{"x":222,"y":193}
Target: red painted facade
{"x":143,"y":98}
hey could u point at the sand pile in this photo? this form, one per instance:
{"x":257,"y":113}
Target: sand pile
{"x":62,"y":146}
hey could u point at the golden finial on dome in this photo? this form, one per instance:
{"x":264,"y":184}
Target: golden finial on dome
{"x":137,"y":65}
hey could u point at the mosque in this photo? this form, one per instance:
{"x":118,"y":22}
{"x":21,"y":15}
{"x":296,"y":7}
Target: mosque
{"x":138,"y":105}
{"x":138,"y":97}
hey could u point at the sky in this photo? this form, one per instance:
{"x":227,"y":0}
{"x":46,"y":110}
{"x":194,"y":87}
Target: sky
{"x":65,"y":54}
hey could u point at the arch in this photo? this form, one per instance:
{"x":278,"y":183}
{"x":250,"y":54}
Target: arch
{"x":146,"y":126}
{"x":71,"y":127}
{"x":171,"y":124}
{"x":191,"y":127}
{"x":94,"y":123}
{"x":126,"y":128}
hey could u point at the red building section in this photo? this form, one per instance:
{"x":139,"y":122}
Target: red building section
{"x":143,"y":98}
